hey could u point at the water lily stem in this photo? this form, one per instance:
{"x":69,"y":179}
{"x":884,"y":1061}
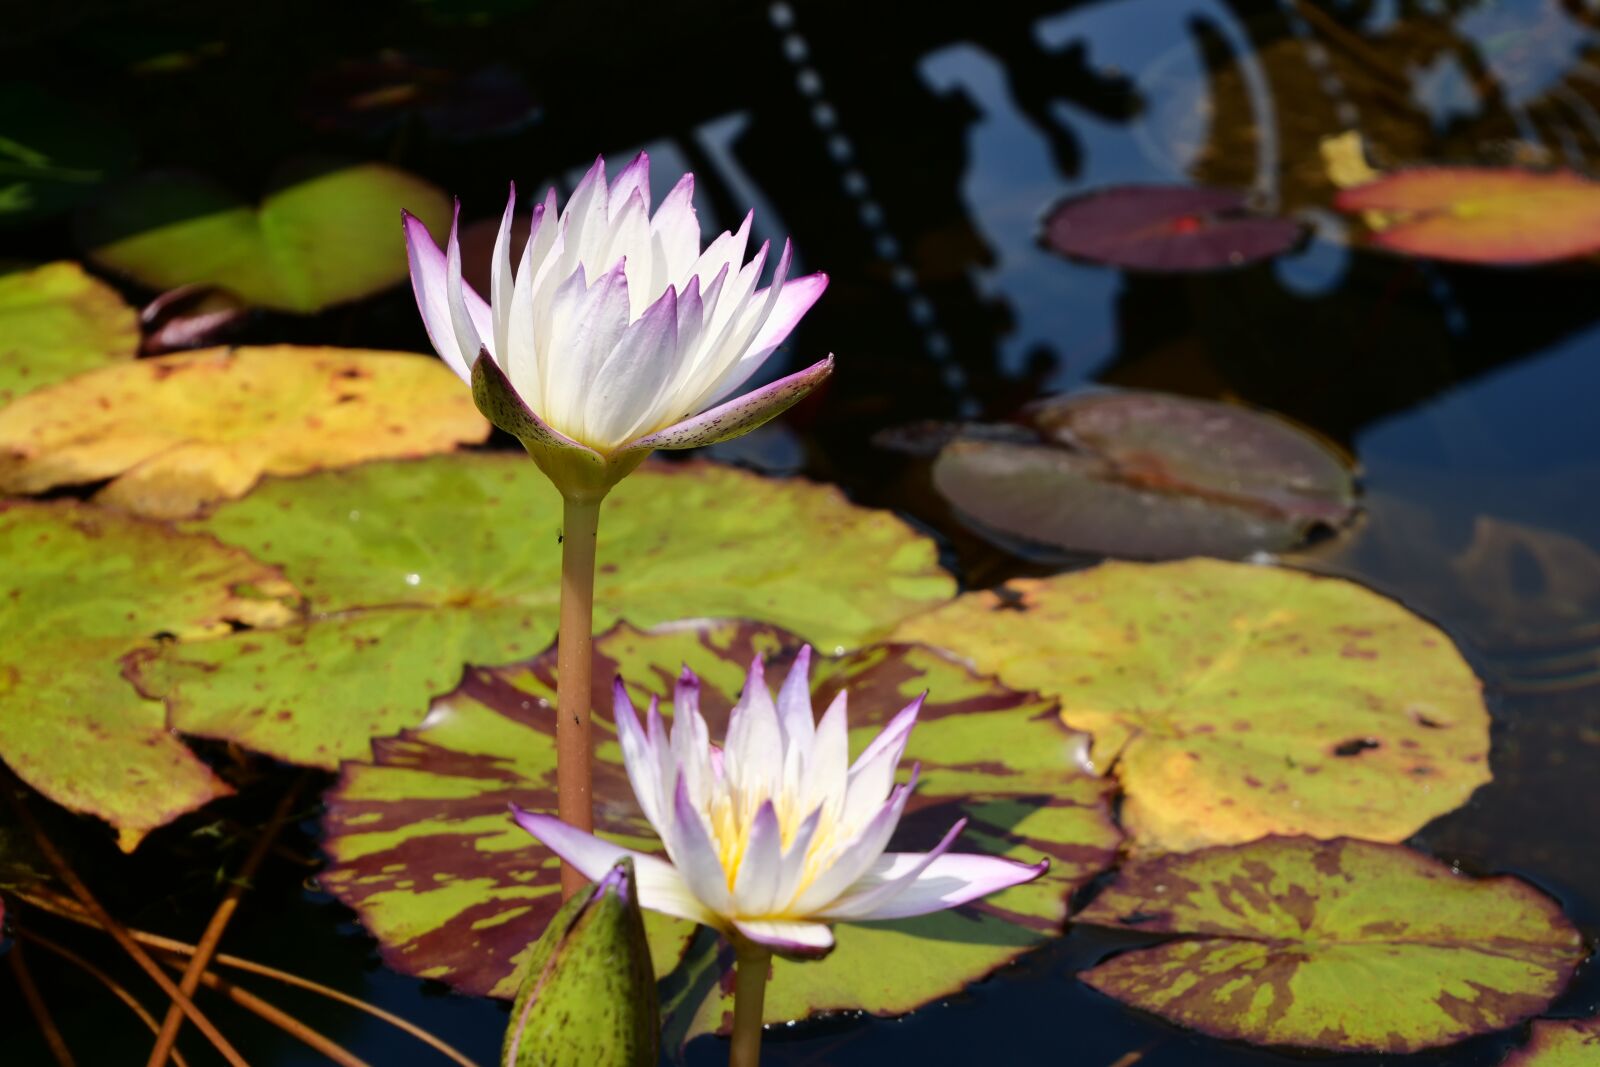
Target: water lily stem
{"x":749,"y":995}
{"x":574,"y":803}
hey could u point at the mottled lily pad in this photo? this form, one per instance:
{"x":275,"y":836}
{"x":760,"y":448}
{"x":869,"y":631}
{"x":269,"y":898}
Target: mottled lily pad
{"x":317,"y":242}
{"x":413,"y":570}
{"x":56,"y":321}
{"x":423,"y":848}
{"x":1348,"y":946}
{"x":1166,"y":228}
{"x":80,"y":587}
{"x":1145,"y":475}
{"x":1560,"y":1043}
{"x":1482,"y":214}
{"x":179,"y":432}
{"x":1237,"y":701}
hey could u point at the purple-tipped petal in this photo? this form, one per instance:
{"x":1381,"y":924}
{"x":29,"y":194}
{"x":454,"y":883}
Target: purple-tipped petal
{"x":618,"y":880}
{"x":639,"y":755}
{"x":635,"y":177}
{"x":794,"y":701}
{"x":949,"y":882}
{"x":500,"y":277}
{"x":795,"y":940}
{"x":739,"y":416}
{"x":634,"y":373}
{"x":430,"y":283}
{"x":858,"y":856}
{"x":794,"y":300}
{"x":695,"y":855}
{"x":660,"y":887}
{"x":761,"y":867}
{"x":888,"y":875}
{"x":469,"y":338}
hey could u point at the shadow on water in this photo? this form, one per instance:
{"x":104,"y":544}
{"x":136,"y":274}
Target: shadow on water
{"x":912,"y":157}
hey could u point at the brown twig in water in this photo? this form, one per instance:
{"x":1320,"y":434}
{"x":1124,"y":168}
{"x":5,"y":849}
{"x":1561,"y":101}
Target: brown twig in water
{"x":68,"y":909}
{"x":120,"y":935}
{"x":207,"y":945}
{"x":41,"y":1013}
{"x":117,"y":989}
{"x":279,"y":1018}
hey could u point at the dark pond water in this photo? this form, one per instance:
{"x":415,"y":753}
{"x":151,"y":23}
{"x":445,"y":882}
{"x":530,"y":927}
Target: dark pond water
{"x":910,"y":154}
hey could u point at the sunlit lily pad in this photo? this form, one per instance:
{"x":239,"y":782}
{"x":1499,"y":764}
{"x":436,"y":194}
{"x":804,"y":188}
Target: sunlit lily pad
{"x":1145,"y":475}
{"x":319,"y":241}
{"x":80,"y":587}
{"x":179,"y":432}
{"x":1560,"y":1043}
{"x":1236,"y":701}
{"x":414,"y":569}
{"x":1482,"y":214}
{"x":1340,"y":945}
{"x":56,"y":321}
{"x":1166,"y":228}
{"x":423,"y":847}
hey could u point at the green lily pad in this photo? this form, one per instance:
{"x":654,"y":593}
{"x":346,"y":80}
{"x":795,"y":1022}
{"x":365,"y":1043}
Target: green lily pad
{"x":53,"y":153}
{"x":1560,"y":1043}
{"x":1348,"y":946}
{"x":320,"y":241}
{"x":414,"y":569}
{"x":56,"y":321}
{"x":80,"y":587}
{"x":423,"y":847}
{"x":1235,"y":701}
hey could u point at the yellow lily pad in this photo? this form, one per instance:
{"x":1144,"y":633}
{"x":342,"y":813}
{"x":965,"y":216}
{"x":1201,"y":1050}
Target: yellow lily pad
{"x":56,"y":321}
{"x":1235,"y":701}
{"x":182,"y":431}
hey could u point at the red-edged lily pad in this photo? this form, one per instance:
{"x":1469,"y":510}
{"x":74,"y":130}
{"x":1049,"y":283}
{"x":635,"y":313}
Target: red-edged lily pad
{"x":424,"y":850}
{"x":1481,"y":214}
{"x":1147,"y":475}
{"x":1345,"y":945}
{"x":1560,"y":1043}
{"x":1177,"y":228}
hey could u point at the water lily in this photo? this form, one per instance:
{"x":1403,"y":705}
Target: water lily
{"x":776,"y":834}
{"x":615,"y":334}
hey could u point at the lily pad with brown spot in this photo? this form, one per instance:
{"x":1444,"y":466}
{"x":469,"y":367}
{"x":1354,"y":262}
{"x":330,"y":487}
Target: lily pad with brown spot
{"x":1481,"y":214}
{"x":1344,"y":945}
{"x":179,"y":432}
{"x":423,"y":847}
{"x":81,"y":587}
{"x":1168,"y":228}
{"x":1234,"y":701}
{"x":414,"y":569}
{"x":1560,"y":1043}
{"x":56,"y":321}
{"x":1145,"y":475}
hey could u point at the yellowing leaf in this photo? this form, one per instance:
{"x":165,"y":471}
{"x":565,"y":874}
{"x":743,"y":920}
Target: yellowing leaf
{"x":1560,"y":1043}
{"x":322,"y":241}
{"x":1339,"y":945}
{"x":1482,"y":214}
{"x":179,"y":432}
{"x":1236,"y":701}
{"x":56,"y":321}
{"x":79,"y":588}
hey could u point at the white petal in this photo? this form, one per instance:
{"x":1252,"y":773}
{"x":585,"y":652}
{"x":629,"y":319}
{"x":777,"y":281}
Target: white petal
{"x":660,"y":887}
{"x":829,"y":766}
{"x":754,"y":742}
{"x":638,"y":757}
{"x":675,"y":235}
{"x":888,"y":875}
{"x":794,"y":703}
{"x":872,"y":776}
{"x":761,"y":867}
{"x":857,"y":857}
{"x":500,"y":282}
{"x":695,"y":856}
{"x":586,"y":325}
{"x":803,"y":939}
{"x":627,"y":384}
{"x":468,"y":336}
{"x":948,"y":882}
{"x":428,"y":282}
{"x":635,"y":177}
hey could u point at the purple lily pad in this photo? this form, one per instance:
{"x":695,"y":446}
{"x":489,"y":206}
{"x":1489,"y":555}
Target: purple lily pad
{"x":1147,"y":476}
{"x":1174,"y":228}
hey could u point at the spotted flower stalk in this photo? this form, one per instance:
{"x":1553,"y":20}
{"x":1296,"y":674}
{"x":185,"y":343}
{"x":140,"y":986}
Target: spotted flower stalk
{"x":614,"y":334}
{"x":775,"y":835}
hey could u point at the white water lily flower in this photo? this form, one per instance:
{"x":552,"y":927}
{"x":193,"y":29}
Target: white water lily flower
{"x":776,"y":834}
{"x":615,"y":334}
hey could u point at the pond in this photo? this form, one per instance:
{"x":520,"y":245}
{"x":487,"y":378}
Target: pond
{"x":1440,"y":390}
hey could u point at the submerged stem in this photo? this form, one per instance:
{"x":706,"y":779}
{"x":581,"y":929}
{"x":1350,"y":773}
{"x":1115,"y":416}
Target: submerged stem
{"x":575,"y":806}
{"x":749,"y":997}
{"x":41,"y":1013}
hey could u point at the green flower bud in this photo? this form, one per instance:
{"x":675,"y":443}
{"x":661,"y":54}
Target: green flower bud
{"x":588,"y":993}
